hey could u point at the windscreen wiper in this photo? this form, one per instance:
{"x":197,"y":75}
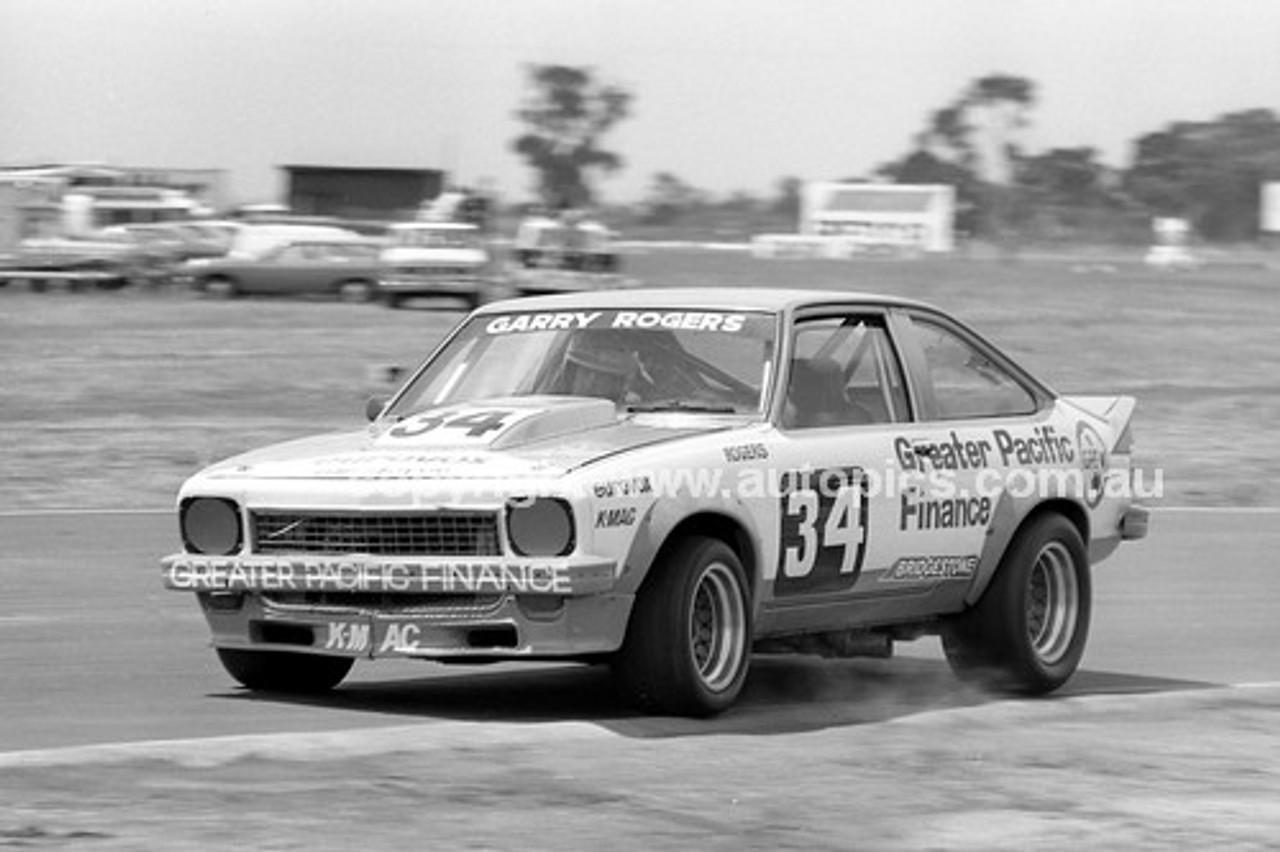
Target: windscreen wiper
{"x":682,"y":405}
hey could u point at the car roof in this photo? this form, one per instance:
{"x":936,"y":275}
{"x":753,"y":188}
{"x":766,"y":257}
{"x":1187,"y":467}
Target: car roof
{"x":715,"y":298}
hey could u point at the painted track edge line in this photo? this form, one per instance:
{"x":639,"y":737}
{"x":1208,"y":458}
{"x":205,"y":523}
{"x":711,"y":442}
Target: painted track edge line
{"x":1255,"y":510}
{"x":304,"y":745}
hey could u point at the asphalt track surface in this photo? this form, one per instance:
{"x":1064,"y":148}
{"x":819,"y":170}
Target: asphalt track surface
{"x":94,"y":651}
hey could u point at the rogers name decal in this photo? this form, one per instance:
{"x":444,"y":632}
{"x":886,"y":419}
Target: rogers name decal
{"x":568,"y":320}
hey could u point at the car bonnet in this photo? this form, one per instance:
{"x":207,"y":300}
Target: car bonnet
{"x":540,"y":437}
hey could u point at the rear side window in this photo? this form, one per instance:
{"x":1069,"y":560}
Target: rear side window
{"x":965,"y":381}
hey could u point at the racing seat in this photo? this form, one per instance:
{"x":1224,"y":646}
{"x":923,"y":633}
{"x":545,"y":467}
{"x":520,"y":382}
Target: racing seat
{"x":816,"y":396}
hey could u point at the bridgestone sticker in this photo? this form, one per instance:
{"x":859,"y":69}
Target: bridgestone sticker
{"x":923,"y":569}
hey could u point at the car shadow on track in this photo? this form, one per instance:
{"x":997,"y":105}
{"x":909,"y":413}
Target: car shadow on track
{"x":782,"y":695}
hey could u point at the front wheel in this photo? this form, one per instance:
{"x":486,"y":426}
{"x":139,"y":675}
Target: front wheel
{"x":284,"y":671}
{"x":1027,"y":633}
{"x":688,"y":643}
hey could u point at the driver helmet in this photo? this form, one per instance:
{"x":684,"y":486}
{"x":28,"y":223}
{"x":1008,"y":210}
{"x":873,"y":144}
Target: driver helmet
{"x":594,"y":367}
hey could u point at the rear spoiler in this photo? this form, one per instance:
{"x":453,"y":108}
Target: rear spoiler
{"x":1115,"y":411}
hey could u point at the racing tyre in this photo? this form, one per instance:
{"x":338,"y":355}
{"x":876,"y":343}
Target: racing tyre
{"x":1027,"y":633}
{"x":688,"y":644}
{"x":355,"y":292}
{"x":219,"y":287}
{"x":282,"y":671}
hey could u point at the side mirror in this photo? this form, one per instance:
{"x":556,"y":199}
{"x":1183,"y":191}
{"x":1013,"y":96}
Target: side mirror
{"x":383,"y":380}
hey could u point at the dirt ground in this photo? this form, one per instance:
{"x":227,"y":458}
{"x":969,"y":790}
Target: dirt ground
{"x":1188,"y":770}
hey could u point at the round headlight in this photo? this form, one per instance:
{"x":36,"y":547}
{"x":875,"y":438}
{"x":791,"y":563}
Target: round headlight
{"x":543,"y":527}
{"x":211,"y":525}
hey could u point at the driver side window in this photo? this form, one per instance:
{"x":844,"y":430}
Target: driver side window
{"x":843,"y":372}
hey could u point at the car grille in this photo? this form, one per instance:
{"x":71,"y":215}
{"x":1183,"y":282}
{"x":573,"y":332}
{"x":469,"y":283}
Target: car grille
{"x":417,"y":605}
{"x":450,"y":533}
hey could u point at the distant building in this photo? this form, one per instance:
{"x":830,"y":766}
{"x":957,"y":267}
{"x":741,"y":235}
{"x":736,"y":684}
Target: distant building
{"x":208,"y":187}
{"x":843,"y":220}
{"x":902,"y":216}
{"x":360,"y":193}
{"x":74,"y":200}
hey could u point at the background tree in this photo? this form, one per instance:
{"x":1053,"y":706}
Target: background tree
{"x":1208,"y":172}
{"x":1070,"y":191}
{"x":566,"y":114}
{"x":786,"y":198}
{"x":972,"y":144}
{"x":1066,"y":177}
{"x":670,"y":198}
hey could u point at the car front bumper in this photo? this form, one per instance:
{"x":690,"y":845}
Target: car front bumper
{"x":430,"y":608}
{"x":484,"y":628}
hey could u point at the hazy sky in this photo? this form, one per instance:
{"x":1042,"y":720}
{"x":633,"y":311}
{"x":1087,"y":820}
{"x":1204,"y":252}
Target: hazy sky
{"x":730,"y":94}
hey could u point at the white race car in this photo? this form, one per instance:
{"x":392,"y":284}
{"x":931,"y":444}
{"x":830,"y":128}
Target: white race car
{"x":668,"y":481}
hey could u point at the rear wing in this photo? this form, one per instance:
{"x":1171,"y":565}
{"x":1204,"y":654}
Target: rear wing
{"x":1116,"y":412}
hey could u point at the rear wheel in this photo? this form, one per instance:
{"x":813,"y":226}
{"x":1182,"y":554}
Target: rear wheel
{"x":219,"y":287}
{"x":355,"y":291}
{"x":283,"y":671}
{"x":1027,"y":633}
{"x":688,"y":643}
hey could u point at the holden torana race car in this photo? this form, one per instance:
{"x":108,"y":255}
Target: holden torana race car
{"x":668,"y":481}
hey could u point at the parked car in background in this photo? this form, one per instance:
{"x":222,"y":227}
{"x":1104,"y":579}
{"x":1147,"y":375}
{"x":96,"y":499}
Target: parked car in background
{"x":437,"y":259}
{"x":103,"y":260}
{"x":564,"y":255}
{"x":346,"y":267}
{"x":176,"y":241}
{"x":220,"y":233}
{"x":255,"y":239}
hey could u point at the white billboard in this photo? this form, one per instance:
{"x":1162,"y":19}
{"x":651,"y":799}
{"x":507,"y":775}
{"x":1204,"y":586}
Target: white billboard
{"x":917,"y":217}
{"x":1270,"y":218}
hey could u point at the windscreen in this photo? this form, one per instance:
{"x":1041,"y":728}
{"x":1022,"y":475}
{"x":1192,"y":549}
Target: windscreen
{"x":642,"y":360}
